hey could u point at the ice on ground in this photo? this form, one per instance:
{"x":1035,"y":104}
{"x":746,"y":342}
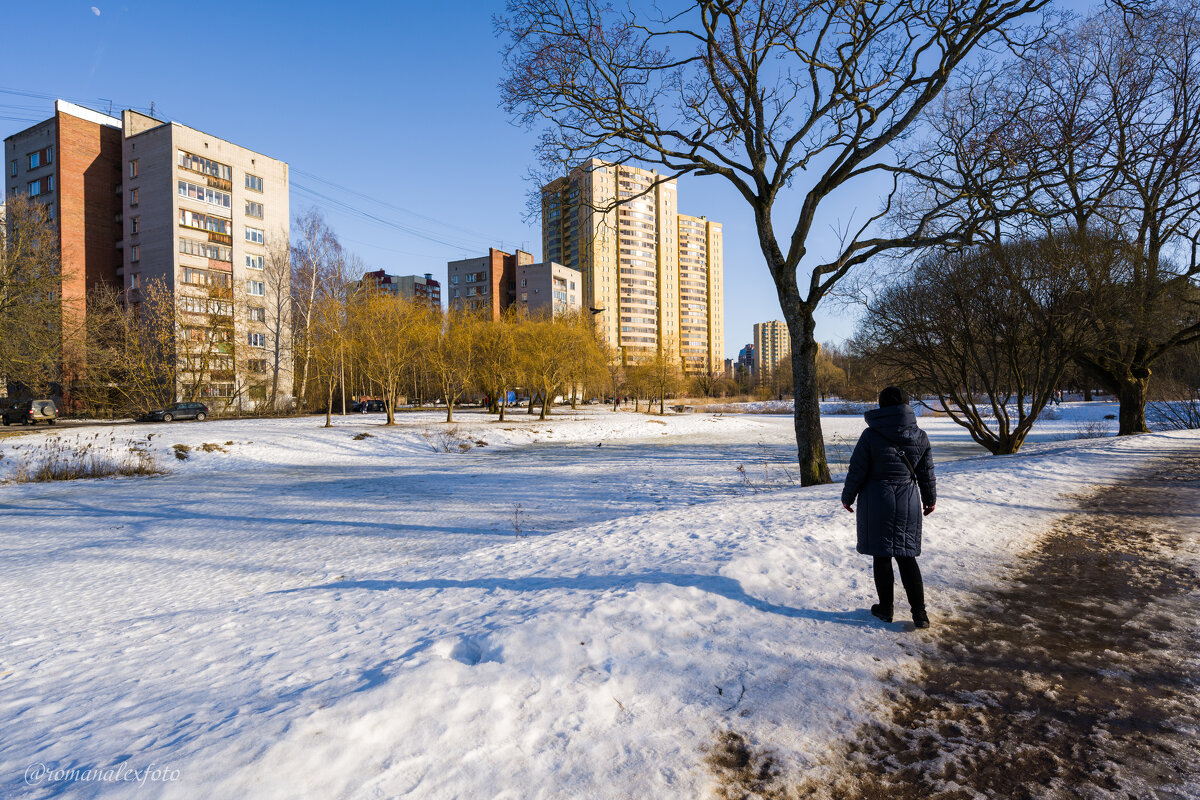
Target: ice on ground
{"x":576,"y":607}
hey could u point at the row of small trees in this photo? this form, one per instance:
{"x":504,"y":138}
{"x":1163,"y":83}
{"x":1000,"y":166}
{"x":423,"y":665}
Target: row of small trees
{"x":405,"y":352}
{"x":401,"y":351}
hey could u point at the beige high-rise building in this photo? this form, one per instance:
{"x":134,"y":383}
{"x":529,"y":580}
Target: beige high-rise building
{"x":651,"y":276}
{"x":771,"y":346}
{"x":200,"y":216}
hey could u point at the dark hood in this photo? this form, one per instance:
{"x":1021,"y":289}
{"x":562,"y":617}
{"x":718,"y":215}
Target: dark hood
{"x":895,"y":422}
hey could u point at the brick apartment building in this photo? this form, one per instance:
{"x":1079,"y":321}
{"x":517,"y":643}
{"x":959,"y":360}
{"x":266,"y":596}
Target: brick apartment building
{"x":487,"y":284}
{"x":71,"y":162}
{"x":493,"y":283}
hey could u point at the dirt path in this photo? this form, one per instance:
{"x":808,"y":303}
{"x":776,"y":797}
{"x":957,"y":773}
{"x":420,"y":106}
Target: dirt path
{"x":1078,"y":677}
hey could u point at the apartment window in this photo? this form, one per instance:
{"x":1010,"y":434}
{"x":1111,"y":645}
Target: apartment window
{"x":255,"y":235}
{"x":258,"y":314}
{"x":524,"y":283}
{"x":204,"y":222}
{"x":454,"y":280}
{"x":256,"y":365}
{"x":135,"y":253}
{"x":255,"y":262}
{"x":205,"y":166}
{"x":12,"y":168}
{"x":255,"y":288}
{"x":257,"y":339}
{"x":133,"y":198}
{"x":254,"y":209}
{"x":197,"y":305}
{"x":133,"y":168}
{"x":35,"y":188}
{"x":253,"y":182}
{"x":134,"y":226}
{"x":213,"y":252}
{"x":205,"y":195}
{"x":135,"y":280}
{"x":35,"y":160}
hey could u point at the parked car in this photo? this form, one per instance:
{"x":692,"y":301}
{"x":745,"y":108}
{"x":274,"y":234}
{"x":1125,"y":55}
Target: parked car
{"x":369,"y":407}
{"x":196,"y":411}
{"x":31,"y":412}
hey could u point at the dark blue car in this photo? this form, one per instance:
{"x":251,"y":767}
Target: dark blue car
{"x":196,"y":411}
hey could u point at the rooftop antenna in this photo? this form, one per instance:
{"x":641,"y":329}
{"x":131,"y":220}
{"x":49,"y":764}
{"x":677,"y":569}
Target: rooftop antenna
{"x":152,"y":108}
{"x":109,"y":106}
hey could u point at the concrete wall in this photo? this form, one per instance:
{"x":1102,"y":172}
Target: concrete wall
{"x":156,"y":149}
{"x":536,"y":287}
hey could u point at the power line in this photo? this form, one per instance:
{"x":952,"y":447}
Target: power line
{"x":466,"y":240}
{"x":459,"y":244}
{"x":471,"y":233}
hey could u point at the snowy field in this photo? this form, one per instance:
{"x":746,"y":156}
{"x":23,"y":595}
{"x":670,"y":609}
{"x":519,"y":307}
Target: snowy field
{"x":568,"y":608}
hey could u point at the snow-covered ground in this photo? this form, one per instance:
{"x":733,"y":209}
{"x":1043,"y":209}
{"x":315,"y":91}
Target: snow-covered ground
{"x":302,"y":611}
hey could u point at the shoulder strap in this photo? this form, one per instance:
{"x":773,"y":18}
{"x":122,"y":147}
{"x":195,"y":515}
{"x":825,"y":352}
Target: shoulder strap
{"x":903,"y":455}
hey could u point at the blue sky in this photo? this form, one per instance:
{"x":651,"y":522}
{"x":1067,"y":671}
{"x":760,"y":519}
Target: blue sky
{"x":393,"y":103}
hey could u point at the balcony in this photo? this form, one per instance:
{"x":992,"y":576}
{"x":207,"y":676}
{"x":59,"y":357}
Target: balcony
{"x":219,"y":183}
{"x":221,"y":238}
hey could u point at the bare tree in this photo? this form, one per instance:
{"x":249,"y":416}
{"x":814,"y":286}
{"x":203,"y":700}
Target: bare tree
{"x":496,"y":358}
{"x":664,"y":373}
{"x":989,"y":333}
{"x":316,"y":269}
{"x":132,"y":349}
{"x":327,"y":328}
{"x":34,"y":317}
{"x":614,"y":372}
{"x":541,"y":343}
{"x":775,"y":97}
{"x":448,"y":348}
{"x":277,"y":316}
{"x":387,"y":334}
{"x":1095,"y":133}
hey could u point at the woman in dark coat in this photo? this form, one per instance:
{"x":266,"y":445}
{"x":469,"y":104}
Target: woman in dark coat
{"x":891,"y":476}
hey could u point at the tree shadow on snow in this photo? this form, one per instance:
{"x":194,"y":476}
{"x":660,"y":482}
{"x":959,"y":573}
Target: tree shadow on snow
{"x":714,"y":584}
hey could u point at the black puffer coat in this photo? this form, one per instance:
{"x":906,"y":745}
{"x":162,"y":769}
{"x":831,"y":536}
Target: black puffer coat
{"x":889,"y":499}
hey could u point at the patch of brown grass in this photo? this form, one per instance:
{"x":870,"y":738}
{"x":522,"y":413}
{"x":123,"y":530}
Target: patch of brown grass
{"x":56,"y":460}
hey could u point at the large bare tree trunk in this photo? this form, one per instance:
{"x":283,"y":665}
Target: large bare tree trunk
{"x":1132,"y":396}
{"x":810,"y":443}
{"x":1130,"y":385}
